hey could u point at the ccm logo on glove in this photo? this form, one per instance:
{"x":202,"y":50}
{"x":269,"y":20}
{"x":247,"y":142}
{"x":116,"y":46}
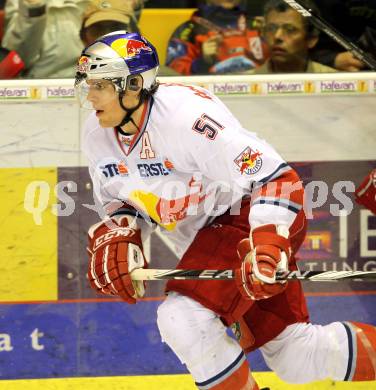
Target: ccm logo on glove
{"x":119,"y":232}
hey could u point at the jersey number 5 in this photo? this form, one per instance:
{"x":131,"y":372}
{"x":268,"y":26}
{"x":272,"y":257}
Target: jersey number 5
{"x":208,"y":126}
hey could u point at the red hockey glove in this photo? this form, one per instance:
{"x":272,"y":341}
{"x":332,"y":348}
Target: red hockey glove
{"x":365,"y":194}
{"x":265,"y":252}
{"x":115,"y":250}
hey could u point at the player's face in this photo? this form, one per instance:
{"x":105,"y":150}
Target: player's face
{"x":105,"y":101}
{"x":286,"y":36}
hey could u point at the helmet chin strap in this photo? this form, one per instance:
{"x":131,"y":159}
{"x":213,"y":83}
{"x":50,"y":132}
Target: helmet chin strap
{"x":129,"y":111}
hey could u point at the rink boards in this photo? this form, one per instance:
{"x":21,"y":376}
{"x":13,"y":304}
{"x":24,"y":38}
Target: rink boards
{"x":53,"y":326}
{"x":112,"y":339}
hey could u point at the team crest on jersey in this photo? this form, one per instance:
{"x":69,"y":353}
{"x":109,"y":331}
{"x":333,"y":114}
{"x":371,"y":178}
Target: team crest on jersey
{"x":249,"y":161}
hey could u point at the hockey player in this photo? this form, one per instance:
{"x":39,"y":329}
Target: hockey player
{"x":174,"y":156}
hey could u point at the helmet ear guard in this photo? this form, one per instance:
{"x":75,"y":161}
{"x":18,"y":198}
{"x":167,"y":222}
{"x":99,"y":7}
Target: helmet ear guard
{"x":134,"y":83}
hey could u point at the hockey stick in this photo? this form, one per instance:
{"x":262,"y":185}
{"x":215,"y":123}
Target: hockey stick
{"x":324,"y":26}
{"x":228,"y":274}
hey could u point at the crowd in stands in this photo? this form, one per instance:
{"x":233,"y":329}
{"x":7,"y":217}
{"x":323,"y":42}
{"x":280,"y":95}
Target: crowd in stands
{"x":42,"y":39}
{"x":289,"y":38}
{"x":219,"y":38}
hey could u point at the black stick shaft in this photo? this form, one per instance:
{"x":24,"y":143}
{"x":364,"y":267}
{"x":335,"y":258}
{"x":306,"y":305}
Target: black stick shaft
{"x":229,"y":274}
{"x":325,"y":27}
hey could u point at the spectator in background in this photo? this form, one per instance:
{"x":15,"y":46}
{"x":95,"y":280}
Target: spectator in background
{"x":10,"y":64}
{"x":356,"y":20}
{"x":45,"y":34}
{"x":218,"y":39}
{"x":102,"y":17}
{"x":289,"y":37}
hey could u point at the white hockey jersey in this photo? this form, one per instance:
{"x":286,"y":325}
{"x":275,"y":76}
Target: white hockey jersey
{"x":191,"y":161}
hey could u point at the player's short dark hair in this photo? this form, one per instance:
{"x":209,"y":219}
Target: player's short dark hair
{"x":282,"y":6}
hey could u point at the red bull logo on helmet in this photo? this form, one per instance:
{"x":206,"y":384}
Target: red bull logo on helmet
{"x":129,"y":47}
{"x":249,"y":161}
{"x":83,"y":64}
